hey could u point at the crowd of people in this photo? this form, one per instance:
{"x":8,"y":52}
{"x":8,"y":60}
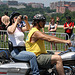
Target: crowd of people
{"x":68,"y":28}
{"x":33,"y":49}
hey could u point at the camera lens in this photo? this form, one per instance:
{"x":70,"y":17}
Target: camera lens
{"x":24,"y":17}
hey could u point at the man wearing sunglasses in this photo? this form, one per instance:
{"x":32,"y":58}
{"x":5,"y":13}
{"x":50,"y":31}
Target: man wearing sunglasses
{"x":35,"y":43}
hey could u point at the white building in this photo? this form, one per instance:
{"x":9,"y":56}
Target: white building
{"x":14,"y":4}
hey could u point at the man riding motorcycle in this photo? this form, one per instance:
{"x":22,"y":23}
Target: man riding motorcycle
{"x":35,"y":43}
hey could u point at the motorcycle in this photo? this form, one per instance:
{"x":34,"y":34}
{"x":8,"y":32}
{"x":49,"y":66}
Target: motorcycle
{"x":68,"y":58}
{"x":17,"y":67}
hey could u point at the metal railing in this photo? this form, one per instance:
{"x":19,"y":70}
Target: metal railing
{"x":61,"y":47}
{"x":57,"y":46}
{"x":3,"y":39}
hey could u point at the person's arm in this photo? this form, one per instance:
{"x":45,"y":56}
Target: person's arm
{"x":72,"y":26}
{"x":39,"y":35}
{"x":27,"y":26}
{"x":65,"y":27}
{"x":11,"y":29}
{"x":54,"y":28}
{"x":49,"y":27}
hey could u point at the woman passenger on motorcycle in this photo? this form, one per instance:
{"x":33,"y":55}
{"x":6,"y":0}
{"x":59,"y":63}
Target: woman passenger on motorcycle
{"x":16,"y":36}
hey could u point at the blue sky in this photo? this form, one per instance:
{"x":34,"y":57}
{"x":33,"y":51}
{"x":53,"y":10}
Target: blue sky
{"x":45,"y":2}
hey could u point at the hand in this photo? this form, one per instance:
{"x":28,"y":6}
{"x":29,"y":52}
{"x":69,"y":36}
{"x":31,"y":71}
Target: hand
{"x":57,"y":19}
{"x":51,"y":30}
{"x":69,"y":43}
{"x":68,"y":25}
{"x":71,"y":27}
{"x":25,"y":17}
{"x":19,"y":18}
{"x":49,"y":23}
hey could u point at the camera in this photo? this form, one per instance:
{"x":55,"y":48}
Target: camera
{"x":23,"y":17}
{"x":21,"y":23}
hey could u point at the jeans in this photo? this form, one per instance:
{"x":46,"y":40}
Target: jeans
{"x":27,"y":56}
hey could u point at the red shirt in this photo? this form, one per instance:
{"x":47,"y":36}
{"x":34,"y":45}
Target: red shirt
{"x":70,"y":24}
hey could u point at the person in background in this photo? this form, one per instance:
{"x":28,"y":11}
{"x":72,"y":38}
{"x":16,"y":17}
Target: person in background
{"x":35,"y":43}
{"x":52,"y":28}
{"x":5,"y":22}
{"x":68,"y":27}
{"x":0,"y":28}
{"x":57,"y":20}
{"x":16,"y":36}
{"x":0,"y":24}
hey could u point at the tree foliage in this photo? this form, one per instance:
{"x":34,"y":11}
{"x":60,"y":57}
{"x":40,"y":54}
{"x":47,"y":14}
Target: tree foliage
{"x":63,"y":16}
{"x":30,"y":12}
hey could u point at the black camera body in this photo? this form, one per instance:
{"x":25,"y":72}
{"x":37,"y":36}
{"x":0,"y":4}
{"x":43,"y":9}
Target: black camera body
{"x":23,"y":17}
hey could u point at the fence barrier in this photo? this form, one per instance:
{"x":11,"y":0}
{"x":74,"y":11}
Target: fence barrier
{"x":48,"y":45}
{"x":56,"y":46}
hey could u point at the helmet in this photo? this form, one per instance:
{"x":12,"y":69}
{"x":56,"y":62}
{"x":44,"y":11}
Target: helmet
{"x":39,"y":17}
{"x":13,"y":14}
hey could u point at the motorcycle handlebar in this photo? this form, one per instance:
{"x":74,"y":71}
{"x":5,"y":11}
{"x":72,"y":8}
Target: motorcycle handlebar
{"x":72,"y":40}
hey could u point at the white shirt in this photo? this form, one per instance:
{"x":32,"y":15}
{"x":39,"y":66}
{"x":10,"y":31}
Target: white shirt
{"x":17,"y":38}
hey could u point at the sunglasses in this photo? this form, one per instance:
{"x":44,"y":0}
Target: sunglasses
{"x":43,"y":20}
{"x":15,"y":17}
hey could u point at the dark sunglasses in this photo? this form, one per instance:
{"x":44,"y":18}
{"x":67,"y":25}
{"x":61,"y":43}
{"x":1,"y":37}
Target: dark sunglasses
{"x":43,"y":20}
{"x":15,"y":17}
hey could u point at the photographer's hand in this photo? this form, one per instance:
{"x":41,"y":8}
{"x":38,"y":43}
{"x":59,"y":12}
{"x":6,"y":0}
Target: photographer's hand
{"x":27,"y":26}
{"x":25,"y":18}
{"x":18,"y":19}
